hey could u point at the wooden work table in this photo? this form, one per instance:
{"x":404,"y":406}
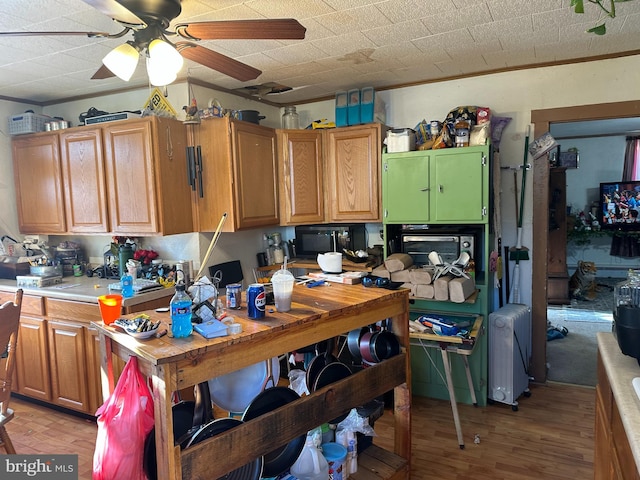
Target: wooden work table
{"x":317,"y":314}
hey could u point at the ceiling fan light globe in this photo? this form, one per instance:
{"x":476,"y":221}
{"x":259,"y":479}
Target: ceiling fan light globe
{"x":159,"y":75}
{"x":166,"y":54}
{"x":122,"y":61}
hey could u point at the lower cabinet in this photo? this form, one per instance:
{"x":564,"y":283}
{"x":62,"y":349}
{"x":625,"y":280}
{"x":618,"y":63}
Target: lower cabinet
{"x":32,"y":359}
{"x":69,"y":381}
{"x":613,"y":459}
{"x":58,"y":354}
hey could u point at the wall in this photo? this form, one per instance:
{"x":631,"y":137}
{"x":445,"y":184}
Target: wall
{"x":513,"y":94}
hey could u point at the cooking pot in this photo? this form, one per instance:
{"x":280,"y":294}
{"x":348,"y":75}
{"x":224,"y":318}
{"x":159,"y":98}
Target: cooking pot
{"x":252,"y":116}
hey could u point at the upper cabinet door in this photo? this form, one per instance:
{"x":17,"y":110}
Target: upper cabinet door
{"x":38,"y":180}
{"x":406,"y":187}
{"x":255,"y":175}
{"x":353,"y":166}
{"x":301,"y":177}
{"x":84,"y":181}
{"x":460,"y":185}
{"x":130,"y":175}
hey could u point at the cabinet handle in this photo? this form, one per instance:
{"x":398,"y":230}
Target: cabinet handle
{"x":169,"y":143}
{"x":440,"y":188}
{"x":199,"y":166}
{"x":425,"y":189}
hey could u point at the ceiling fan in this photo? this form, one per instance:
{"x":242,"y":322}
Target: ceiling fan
{"x":149,"y":21}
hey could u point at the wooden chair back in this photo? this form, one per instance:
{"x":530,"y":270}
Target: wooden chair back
{"x":9,"y":325}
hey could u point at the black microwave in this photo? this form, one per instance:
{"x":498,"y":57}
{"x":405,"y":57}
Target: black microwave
{"x":314,"y":239}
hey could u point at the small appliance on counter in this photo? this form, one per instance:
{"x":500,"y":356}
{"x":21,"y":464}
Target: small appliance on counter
{"x":626,"y":315}
{"x":312,"y":240}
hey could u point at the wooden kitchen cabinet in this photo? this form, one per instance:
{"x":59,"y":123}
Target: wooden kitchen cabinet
{"x":613,"y":459}
{"x":301,"y":176}
{"x":38,"y":181}
{"x":330,"y":176}
{"x":147,"y":179}
{"x":67,"y":359}
{"x":127,"y":177}
{"x":32,"y":359}
{"x":83,"y":179}
{"x":238,"y":175}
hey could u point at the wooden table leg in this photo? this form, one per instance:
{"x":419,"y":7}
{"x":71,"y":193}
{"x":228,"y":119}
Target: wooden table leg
{"x":167,"y":453}
{"x":452,"y":394}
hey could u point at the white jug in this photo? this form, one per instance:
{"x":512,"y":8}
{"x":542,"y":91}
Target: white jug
{"x":330,"y":262}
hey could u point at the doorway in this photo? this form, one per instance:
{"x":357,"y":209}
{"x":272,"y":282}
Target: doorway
{"x":541,"y":120}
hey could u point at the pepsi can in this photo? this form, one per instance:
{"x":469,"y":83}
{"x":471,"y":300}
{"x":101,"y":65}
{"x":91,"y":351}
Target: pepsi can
{"x":256,"y":300}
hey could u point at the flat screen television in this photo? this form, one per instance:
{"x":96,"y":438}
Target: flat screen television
{"x":620,"y":205}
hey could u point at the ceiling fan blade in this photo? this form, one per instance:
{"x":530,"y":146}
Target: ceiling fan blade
{"x":41,"y":34}
{"x":102,"y":73}
{"x":217,"y":61}
{"x":276,"y":29}
{"x":117,"y":11}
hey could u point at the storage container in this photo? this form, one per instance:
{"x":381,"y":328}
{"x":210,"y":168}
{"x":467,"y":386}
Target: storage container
{"x":27,"y":123}
{"x":401,"y":140}
{"x":372,"y":108}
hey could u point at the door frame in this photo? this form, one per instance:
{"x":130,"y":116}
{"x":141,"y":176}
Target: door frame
{"x":542,"y":120}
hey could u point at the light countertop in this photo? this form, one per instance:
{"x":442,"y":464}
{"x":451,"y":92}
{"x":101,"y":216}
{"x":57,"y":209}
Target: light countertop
{"x":621,"y":369}
{"x":85,"y":289}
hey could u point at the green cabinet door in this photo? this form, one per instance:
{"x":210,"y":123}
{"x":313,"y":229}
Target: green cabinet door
{"x":459,"y":190}
{"x":405,"y":187}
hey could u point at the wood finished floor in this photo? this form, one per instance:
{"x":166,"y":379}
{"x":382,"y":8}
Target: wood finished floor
{"x":550,"y":437}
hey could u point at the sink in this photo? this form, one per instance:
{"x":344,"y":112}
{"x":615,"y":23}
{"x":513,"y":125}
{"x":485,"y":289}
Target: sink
{"x":636,"y":385}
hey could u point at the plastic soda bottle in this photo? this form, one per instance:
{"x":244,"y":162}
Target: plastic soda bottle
{"x":180,"y":307}
{"x":126,"y":283}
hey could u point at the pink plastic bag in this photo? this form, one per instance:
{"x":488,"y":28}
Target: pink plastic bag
{"x":124,"y":421}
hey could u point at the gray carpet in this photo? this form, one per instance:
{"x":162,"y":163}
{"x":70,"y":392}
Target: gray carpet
{"x":572,"y":359}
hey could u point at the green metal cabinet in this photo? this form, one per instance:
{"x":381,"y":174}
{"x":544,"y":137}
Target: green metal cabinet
{"x":459,"y":190}
{"x":405,"y":187}
{"x":449,"y":188}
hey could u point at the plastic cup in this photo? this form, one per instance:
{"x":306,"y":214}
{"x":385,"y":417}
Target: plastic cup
{"x":282,"y":282}
{"x":110,"y":307}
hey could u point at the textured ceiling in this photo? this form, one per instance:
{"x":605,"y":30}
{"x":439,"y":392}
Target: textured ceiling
{"x":349,"y":43}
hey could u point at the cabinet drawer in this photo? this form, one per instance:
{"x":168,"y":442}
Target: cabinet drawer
{"x":31,"y":304}
{"x":70,"y":310}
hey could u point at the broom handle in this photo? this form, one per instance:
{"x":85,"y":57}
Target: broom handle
{"x":524,"y":179}
{"x":214,"y":240}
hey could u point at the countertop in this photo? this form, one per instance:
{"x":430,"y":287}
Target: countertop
{"x":85,"y":289}
{"x":621,"y":369}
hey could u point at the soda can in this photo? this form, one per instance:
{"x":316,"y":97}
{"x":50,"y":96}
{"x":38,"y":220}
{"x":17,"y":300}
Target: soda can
{"x":234,"y":296}
{"x":256,"y":300}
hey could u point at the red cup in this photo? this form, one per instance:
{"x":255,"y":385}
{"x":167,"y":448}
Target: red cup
{"x":110,"y":307}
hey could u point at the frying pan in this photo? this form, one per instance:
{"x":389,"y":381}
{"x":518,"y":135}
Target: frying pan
{"x":249,"y":471}
{"x":182,"y":421}
{"x":353,"y":342}
{"x":234,"y":391}
{"x":329,"y":374}
{"x":318,"y":362}
{"x":365,"y":346}
{"x":384,"y":345}
{"x":282,"y":458}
